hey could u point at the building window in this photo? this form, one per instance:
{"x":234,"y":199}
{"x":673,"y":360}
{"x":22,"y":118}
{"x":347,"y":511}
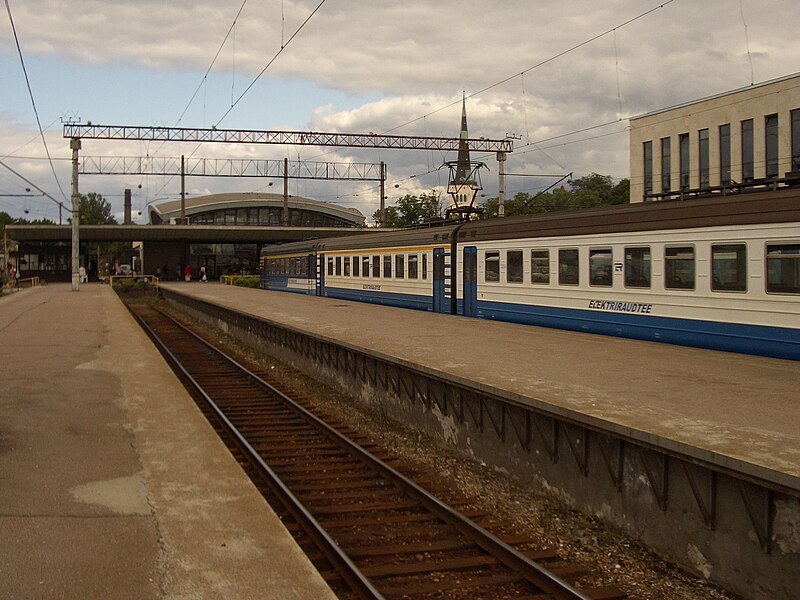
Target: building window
{"x":724,"y":154}
{"x":795,"y":114}
{"x":783,"y":269}
{"x":702,"y":154}
{"x":666,"y":159}
{"x":679,"y":268}
{"x":568,"y":273}
{"x":424,"y":266}
{"x":376,"y":266}
{"x":540,"y":266}
{"x":356,"y":266}
{"x":637,"y":267}
{"x":600,"y":267}
{"x":338,"y":265}
{"x":648,"y":168}
{"x":771,"y":144}
{"x":729,"y":268}
{"x":400,"y":266}
{"x":492,"y":266}
{"x":683,"y":143}
{"x":330,"y":265}
{"x":747,"y":150}
{"x":365,"y":266}
{"x":347,"y":266}
{"x":514,"y":270}
{"x":387,"y":265}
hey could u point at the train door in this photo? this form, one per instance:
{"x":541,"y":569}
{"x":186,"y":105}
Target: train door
{"x":441,"y":281}
{"x":320,"y":276}
{"x":470,"y":281}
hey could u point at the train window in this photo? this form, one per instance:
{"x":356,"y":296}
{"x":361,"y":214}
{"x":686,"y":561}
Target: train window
{"x":492,"y":266}
{"x":679,"y":268}
{"x":514,"y":269}
{"x":330,"y":265}
{"x":568,"y":273}
{"x":338,"y":265}
{"x":347,"y":266}
{"x":387,"y":265}
{"x":356,"y":266}
{"x":400,"y":266}
{"x":365,"y":266}
{"x":600,"y":267}
{"x":376,"y":266}
{"x":637,"y":267}
{"x":540,"y":266}
{"x":424,"y":266}
{"x":783,"y":268}
{"x":729,"y":268}
{"x":413,"y":266}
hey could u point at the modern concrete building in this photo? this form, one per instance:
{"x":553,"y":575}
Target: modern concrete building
{"x":253,"y":208}
{"x":747,"y":136}
{"x":223,"y":233}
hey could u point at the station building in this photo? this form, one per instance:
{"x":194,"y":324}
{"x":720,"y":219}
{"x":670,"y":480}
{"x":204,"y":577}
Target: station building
{"x":238,"y":210}
{"x":746,"y":138}
{"x":222,"y":232}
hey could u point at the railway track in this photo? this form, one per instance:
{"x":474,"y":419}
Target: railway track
{"x":372,"y":531}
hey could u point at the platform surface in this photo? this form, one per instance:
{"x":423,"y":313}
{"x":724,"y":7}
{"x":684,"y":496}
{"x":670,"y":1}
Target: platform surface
{"x":738,"y":411}
{"x":112,"y":483}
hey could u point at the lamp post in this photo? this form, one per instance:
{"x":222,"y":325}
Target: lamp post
{"x":75,"y":144}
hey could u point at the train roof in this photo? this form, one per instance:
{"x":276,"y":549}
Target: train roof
{"x":781,"y":206}
{"x":741,"y":209}
{"x":379,"y":239}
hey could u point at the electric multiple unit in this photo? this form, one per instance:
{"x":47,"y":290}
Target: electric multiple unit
{"x":720,"y":273}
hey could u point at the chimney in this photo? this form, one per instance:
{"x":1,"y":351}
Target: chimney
{"x":128,"y":220}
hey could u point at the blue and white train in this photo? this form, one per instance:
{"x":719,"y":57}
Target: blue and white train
{"x":720,"y":272}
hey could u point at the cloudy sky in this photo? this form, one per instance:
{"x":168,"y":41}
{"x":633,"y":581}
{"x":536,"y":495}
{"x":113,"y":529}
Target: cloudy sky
{"x":560,"y":76}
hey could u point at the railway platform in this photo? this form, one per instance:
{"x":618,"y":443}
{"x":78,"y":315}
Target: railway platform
{"x":695,"y":452}
{"x":743,"y":409}
{"x":112,"y":483}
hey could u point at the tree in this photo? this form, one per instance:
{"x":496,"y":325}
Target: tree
{"x":5,"y":219}
{"x":412,"y":210}
{"x":93,"y":209}
{"x":585,"y":192}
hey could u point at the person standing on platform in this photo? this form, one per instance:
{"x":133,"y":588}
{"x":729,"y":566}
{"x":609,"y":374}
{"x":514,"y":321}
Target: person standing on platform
{"x":203,"y":274}
{"x":187,"y":273}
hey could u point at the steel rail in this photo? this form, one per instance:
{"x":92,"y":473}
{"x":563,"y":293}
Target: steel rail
{"x":358,"y":583}
{"x":509,"y":556}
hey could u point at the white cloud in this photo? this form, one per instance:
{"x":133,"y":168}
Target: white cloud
{"x":398,"y":62}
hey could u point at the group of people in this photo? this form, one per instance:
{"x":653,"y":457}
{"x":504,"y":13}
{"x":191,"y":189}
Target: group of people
{"x":182,"y":273}
{"x":8,"y":277}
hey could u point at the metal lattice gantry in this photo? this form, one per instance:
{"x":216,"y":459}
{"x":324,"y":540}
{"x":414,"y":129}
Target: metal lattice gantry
{"x":228,"y":167}
{"x":290,"y":138}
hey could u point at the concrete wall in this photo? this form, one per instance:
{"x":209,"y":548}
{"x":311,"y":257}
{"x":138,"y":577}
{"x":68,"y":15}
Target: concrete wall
{"x":757,"y":102}
{"x":155,"y":255}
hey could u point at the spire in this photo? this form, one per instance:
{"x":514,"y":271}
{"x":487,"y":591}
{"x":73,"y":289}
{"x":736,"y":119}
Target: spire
{"x":464,"y":169}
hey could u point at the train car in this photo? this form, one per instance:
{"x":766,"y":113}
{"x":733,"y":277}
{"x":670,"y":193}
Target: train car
{"x":290,"y":268}
{"x":395,"y":268}
{"x":720,"y":273}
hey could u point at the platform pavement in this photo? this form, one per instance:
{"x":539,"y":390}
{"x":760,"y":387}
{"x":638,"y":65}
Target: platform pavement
{"x":112,"y":484}
{"x":738,"y":411}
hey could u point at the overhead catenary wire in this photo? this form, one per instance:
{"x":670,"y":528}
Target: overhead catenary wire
{"x":252,"y":83}
{"x":33,"y":101}
{"x":539,"y":64}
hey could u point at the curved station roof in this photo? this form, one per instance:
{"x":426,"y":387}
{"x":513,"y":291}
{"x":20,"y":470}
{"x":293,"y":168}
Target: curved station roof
{"x":167,"y":212}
